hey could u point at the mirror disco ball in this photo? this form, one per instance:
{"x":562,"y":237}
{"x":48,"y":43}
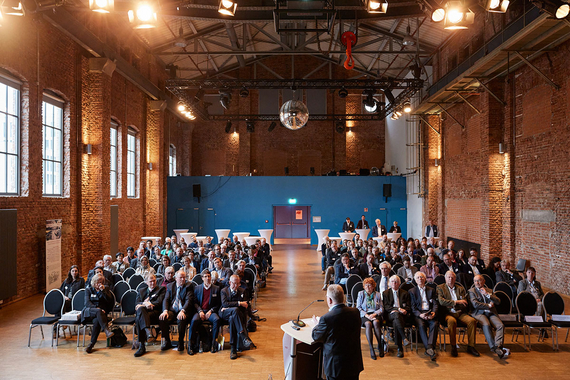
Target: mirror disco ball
{"x":294,"y":114}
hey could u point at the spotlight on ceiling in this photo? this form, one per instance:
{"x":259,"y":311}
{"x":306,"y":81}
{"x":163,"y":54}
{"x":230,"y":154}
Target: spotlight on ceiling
{"x":438,"y":15}
{"x":370,"y":104}
{"x":342,"y":93}
{"x":143,"y":16}
{"x":271,"y":126}
{"x":457,"y":16}
{"x":407,"y":106}
{"x":340,"y":126}
{"x":228,"y":126}
{"x":102,"y":6}
{"x":562,"y":10}
{"x":408,"y":39}
{"x":250,"y":127}
{"x":181,"y":107}
{"x":376,"y":6}
{"x":497,"y":6}
{"x":244,"y":92}
{"x":225,"y":98}
{"x":12,"y":8}
{"x":227,"y":7}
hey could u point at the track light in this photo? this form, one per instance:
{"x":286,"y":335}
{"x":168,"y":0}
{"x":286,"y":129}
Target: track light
{"x":376,"y":6}
{"x":244,"y":92}
{"x":250,"y":127}
{"x":102,"y":6}
{"x":227,"y":7}
{"x":271,"y":126}
{"x":342,"y":93}
{"x":13,"y":8}
{"x":501,"y":148}
{"x":225,"y":98}
{"x":143,"y":16}
{"x":457,"y":16}
{"x":228,"y":126}
{"x":497,"y":6}
{"x":407,"y":106}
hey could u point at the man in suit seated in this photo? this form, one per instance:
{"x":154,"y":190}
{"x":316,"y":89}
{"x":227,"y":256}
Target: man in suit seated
{"x":369,"y":268}
{"x":234,"y":312}
{"x":422,"y":250}
{"x":507,"y":276}
{"x":348,"y":226}
{"x":454,"y":305}
{"x":362,"y":223}
{"x":424,"y":307}
{"x":397,"y":310}
{"x":207,"y":301}
{"x":342,"y":271}
{"x":431,"y":230}
{"x":407,"y":271}
{"x":177,"y":258}
{"x":99,"y":268}
{"x":231,"y":261}
{"x":333,"y":255}
{"x":355,"y":259}
{"x":208,"y":262}
{"x":483,"y":301}
{"x":148,"y":309}
{"x":339,"y":331}
{"x":448,"y":265}
{"x":473,"y":268}
{"x":177,"y":306}
{"x":395,"y":228}
{"x":223,"y":273}
{"x":378,"y":229}
{"x":248,"y":277}
{"x":384,"y":284}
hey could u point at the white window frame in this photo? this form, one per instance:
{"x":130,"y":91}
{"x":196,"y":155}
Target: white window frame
{"x":114,"y":171}
{"x":132,"y":162}
{"x":9,"y":158}
{"x":50,"y":163}
{"x":172,"y":161}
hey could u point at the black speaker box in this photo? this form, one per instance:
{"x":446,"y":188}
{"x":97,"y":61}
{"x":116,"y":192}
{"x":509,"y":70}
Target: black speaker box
{"x":387,"y":190}
{"x":197,"y":190}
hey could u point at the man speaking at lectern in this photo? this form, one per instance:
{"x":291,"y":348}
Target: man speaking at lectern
{"x":339,"y":331}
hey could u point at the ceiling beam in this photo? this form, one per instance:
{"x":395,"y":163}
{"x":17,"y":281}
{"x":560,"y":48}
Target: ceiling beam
{"x":189,"y":37}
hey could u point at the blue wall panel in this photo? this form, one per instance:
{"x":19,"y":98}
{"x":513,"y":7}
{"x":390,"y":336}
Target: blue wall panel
{"x":243,"y":204}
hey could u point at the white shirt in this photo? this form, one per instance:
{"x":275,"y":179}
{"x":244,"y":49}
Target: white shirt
{"x":396,"y":299}
{"x":383,"y":284}
{"x":453,"y":297}
{"x":475,"y":270}
{"x":425,"y":304}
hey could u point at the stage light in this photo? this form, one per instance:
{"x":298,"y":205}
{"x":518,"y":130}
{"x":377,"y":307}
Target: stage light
{"x":457,"y":16}
{"x":497,"y":6}
{"x":143,"y":16}
{"x":13,"y":8}
{"x":562,"y":11}
{"x":102,"y":6}
{"x":407,"y":107}
{"x":181,"y":107}
{"x":377,"y":6}
{"x":227,"y":7}
{"x":438,"y":15}
{"x":271,"y":126}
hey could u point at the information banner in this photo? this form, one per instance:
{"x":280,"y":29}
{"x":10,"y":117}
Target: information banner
{"x":53,"y":254}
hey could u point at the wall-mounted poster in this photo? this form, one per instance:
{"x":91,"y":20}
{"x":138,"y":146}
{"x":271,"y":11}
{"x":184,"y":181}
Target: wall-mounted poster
{"x":298,"y":214}
{"x":53,"y":254}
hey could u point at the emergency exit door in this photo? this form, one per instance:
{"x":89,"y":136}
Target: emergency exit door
{"x":291,"y":222}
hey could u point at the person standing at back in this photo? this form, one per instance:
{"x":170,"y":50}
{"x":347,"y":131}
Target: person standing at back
{"x":339,"y":331}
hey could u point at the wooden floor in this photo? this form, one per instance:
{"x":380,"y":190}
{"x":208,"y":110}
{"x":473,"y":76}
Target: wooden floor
{"x":295,"y":282}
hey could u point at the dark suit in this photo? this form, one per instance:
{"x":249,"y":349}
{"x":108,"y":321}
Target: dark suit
{"x":206,"y":265}
{"x":186,"y":303}
{"x":339,"y":331}
{"x":418,"y":309}
{"x":213,"y":306}
{"x":487,"y":316}
{"x":348,"y":226}
{"x":341,"y":272}
{"x":360,"y":225}
{"x":444,"y":268}
{"x":108,"y":278}
{"x":146,"y":317}
{"x":364,"y":271}
{"x":392,"y":314}
{"x":376,"y":233}
{"x":97,"y":305}
{"x":459,"y":312}
{"x":396,"y":229}
{"x":233,"y":314}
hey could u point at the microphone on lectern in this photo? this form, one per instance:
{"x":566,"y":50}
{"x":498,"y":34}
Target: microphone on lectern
{"x":300,"y":323}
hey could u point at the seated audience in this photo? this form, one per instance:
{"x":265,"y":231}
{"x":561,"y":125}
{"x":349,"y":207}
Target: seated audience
{"x":448,"y":265}
{"x":397,"y":309}
{"x":449,"y":250}
{"x":461,"y":260}
{"x":333,"y":255}
{"x":342,"y":271}
{"x":507,"y":276}
{"x":188,"y":268}
{"x":208,"y":263}
{"x":385,"y":269}
{"x":120,"y":264}
{"x":369,"y":303}
{"x":454,"y":306}
{"x":168,"y":277}
{"x":71,"y":285}
{"x":529,"y":284}
{"x":162,"y":267}
{"x":178,"y":256}
{"x":424,"y":307}
{"x":234,"y":312}
{"x":144,"y":268}
{"x":207,"y":302}
{"x":407,"y":271}
{"x":431,"y":270}
{"x":108,"y":264}
{"x":99,"y":269}
{"x":494,"y":266}
{"x":223,"y":273}
{"x":231,"y":261}
{"x":99,"y":302}
{"x":148,"y":309}
{"x":483,"y":301}
{"x":473,"y":252}
{"x":177,"y":307}
{"x":369,"y":268}
{"x":473,"y":268}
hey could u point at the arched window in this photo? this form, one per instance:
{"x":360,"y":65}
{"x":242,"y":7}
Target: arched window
{"x":9,"y":135}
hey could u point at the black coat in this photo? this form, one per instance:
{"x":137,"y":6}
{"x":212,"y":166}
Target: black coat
{"x":93,"y":299}
{"x":186,"y":298}
{"x":339,"y":331}
{"x":215,"y":298}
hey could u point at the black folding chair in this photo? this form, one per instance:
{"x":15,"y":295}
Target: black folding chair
{"x":554,"y":307}
{"x":505,"y":311}
{"x":350,"y":282}
{"x":527,"y":306}
{"x":77,"y":304}
{"x":53,"y":304}
{"x":357,"y":287}
{"x":176,"y":266}
{"x":128,"y":273}
{"x":117,"y":277}
{"x":152,"y":262}
{"x":198,"y":279}
{"x":396,"y":267}
{"x":407,"y":286}
{"x":135,"y":280}
{"x":488,"y":280}
{"x":128,"y":304}
{"x":439,"y":279}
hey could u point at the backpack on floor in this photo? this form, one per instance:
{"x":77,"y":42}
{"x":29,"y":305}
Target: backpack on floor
{"x":119,"y":339}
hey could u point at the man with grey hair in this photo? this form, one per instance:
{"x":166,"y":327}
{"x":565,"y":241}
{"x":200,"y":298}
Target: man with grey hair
{"x":339,"y":331}
{"x":385,"y":269}
{"x":177,"y":307}
{"x":108,"y":264}
{"x":397,"y":309}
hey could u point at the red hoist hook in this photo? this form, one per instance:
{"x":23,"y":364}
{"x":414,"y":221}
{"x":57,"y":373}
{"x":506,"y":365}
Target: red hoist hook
{"x":348,"y":39}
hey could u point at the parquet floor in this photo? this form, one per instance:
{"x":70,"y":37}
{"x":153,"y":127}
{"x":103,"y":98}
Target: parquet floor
{"x":295,"y":282}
